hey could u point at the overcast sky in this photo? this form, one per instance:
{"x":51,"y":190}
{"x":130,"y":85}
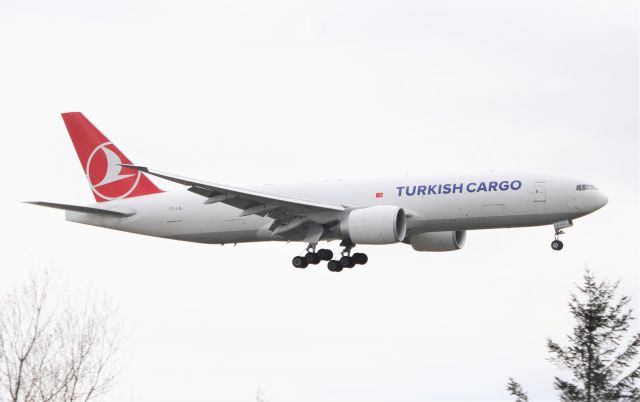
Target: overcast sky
{"x":253,"y":92}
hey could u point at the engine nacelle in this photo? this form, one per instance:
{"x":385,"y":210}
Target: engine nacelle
{"x":384,"y":224}
{"x":439,"y":241}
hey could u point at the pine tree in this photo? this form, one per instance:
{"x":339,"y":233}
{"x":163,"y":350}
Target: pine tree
{"x":516,"y":390}
{"x":601,"y":362}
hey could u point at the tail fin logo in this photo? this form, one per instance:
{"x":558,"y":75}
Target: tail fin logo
{"x":105,"y":176}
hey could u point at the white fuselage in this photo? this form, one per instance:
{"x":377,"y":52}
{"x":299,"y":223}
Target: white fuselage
{"x":503,"y":201}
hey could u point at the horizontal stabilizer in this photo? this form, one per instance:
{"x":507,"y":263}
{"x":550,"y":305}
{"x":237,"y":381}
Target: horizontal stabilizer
{"x":78,"y":208}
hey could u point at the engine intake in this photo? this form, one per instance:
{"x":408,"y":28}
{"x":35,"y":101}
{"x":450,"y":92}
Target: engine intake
{"x":439,"y":241}
{"x":384,"y":224}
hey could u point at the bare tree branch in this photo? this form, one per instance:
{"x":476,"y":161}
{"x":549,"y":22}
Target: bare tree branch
{"x":55,"y":347}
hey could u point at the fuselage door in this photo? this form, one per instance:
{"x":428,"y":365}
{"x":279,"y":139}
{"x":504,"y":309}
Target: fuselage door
{"x":540,"y":191}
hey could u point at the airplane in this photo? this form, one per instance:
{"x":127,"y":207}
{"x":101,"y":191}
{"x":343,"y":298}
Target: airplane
{"x":428,"y":212}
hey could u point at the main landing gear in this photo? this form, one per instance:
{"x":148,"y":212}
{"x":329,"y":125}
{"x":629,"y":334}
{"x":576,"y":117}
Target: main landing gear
{"x":346,"y":260}
{"x":312,"y":257}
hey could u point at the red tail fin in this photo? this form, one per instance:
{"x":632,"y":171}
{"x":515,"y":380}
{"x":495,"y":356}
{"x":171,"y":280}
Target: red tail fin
{"x":101,"y":161}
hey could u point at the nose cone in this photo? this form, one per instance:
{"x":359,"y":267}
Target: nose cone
{"x":597,"y":200}
{"x":602,"y":200}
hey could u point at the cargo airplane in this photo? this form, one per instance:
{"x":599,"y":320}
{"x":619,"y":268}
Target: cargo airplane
{"x":428,"y":212}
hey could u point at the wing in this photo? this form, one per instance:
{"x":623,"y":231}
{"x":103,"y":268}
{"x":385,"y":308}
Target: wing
{"x":288,"y":213}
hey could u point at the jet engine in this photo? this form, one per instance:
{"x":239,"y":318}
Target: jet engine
{"x":384,"y":224}
{"x":439,"y":241}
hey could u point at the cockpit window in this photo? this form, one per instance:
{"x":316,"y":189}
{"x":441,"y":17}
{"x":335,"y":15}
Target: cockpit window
{"x":585,"y":187}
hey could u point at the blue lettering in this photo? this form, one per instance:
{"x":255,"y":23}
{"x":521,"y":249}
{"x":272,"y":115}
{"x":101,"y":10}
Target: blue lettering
{"x":452,"y":188}
{"x":470,"y":189}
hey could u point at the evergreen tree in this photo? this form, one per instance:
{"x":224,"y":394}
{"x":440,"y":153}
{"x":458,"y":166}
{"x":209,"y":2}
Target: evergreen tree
{"x":516,"y":390}
{"x":600,"y":361}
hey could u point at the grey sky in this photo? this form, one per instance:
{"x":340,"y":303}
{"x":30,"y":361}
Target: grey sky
{"x":253,"y":92}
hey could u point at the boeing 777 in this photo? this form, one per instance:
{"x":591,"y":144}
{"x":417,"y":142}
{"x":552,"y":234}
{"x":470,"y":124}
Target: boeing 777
{"x":428,"y":212}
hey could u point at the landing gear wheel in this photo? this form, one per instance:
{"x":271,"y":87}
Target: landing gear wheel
{"x":557,"y":245}
{"x":360,"y":258}
{"x":325,"y":254}
{"x":312,"y":258}
{"x":299,"y":262}
{"x":347,"y":262}
{"x":334,"y":266}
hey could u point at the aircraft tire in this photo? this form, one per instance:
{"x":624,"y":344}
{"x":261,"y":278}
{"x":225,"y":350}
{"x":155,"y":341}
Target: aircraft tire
{"x":360,"y":258}
{"x":334,"y":266}
{"x":557,"y":245}
{"x":299,"y":262}
{"x":325,"y":254}
{"x":347,"y":262}
{"x":312,"y":258}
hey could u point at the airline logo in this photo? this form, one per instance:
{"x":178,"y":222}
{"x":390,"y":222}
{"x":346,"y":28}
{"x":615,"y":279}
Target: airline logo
{"x":454,"y":188}
{"x":105,"y":174}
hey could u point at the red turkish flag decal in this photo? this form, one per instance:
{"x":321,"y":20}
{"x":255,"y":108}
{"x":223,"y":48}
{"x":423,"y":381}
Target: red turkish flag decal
{"x":379,"y":195}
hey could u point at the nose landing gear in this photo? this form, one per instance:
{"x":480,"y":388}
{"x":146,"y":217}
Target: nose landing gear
{"x":558,"y":226}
